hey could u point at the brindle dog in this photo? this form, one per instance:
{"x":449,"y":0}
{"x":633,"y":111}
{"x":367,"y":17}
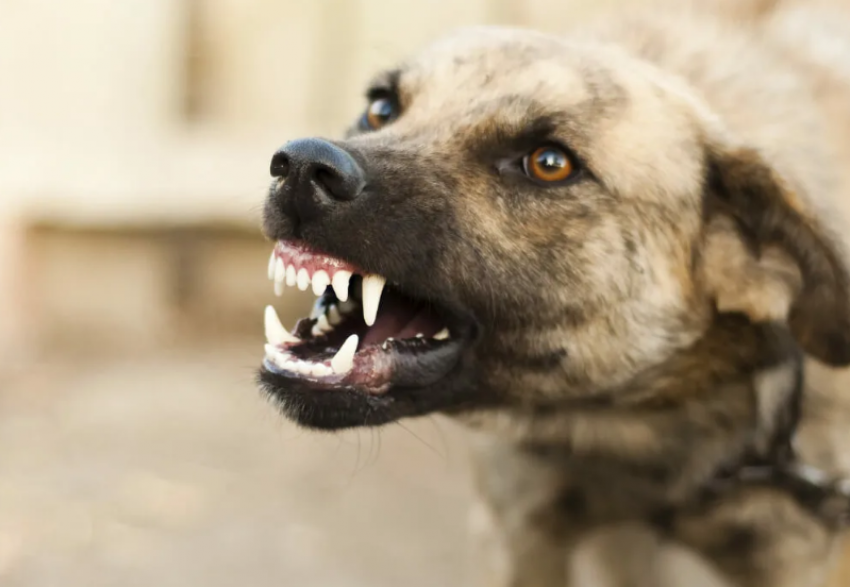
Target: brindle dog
{"x":613,"y":254}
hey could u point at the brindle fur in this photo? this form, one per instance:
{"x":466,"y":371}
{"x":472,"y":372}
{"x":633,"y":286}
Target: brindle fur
{"x":646,"y":327}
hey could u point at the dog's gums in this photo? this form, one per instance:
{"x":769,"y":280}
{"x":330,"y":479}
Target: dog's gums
{"x":363,"y":334}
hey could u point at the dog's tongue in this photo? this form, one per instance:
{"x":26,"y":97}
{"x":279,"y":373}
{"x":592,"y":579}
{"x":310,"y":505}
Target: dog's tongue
{"x":399,"y":318}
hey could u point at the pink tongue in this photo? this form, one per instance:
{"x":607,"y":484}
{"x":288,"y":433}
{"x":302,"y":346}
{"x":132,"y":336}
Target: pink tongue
{"x":398,"y":318}
{"x":393,"y":315}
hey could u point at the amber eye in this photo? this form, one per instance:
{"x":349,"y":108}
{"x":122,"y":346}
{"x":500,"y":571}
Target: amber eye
{"x":380,"y":112}
{"x":548,"y":164}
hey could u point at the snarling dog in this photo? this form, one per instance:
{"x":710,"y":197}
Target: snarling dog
{"x":615,"y":255}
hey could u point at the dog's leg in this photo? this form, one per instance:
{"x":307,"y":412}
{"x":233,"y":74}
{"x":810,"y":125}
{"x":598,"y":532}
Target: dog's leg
{"x":520,"y":523}
{"x":759,"y":537}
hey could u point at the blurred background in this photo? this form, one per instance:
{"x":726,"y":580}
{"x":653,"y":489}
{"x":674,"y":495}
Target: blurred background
{"x":135,"y":138}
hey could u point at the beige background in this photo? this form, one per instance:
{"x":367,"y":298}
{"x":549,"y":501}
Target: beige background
{"x":135,"y":137}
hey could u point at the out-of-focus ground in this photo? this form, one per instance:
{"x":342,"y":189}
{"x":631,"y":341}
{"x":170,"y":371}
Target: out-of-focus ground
{"x":168,"y":468}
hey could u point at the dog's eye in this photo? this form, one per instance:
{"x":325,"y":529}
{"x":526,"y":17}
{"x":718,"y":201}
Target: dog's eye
{"x":380,"y":112}
{"x":548,"y":164}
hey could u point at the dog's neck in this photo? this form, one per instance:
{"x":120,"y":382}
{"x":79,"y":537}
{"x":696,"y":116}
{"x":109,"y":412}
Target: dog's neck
{"x":730,"y":399}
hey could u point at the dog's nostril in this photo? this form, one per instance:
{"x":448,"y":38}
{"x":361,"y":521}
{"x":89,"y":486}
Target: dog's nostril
{"x":338,"y":186}
{"x":280,"y":165}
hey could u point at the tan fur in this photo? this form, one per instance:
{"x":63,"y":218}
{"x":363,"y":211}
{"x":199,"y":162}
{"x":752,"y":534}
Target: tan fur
{"x":773,"y":107}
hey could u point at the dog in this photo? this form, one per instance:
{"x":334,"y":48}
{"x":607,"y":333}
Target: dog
{"x":618,"y":257}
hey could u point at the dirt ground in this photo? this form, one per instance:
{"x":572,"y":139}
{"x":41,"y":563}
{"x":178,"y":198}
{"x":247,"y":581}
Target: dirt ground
{"x":171,"y":469}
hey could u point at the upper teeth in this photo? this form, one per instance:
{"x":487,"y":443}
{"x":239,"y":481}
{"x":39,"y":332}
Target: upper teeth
{"x":272,"y":264}
{"x":320,"y":282}
{"x":303,"y":279}
{"x":279,"y":275}
{"x":373,"y":286}
{"x":340,"y":284}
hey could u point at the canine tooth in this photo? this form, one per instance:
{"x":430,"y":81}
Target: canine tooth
{"x":276,"y":334}
{"x":343,"y":361}
{"x":321,"y":326}
{"x":291,"y":276}
{"x":384,"y":345}
{"x":303,"y":279}
{"x":340,"y":284}
{"x":272,"y":264}
{"x":278,"y":288}
{"x":321,"y":280}
{"x":420,"y":335}
{"x":373,"y":286}
{"x":442,"y":335}
{"x":334,"y":317}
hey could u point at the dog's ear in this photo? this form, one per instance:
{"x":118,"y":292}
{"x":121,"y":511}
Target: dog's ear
{"x":767,"y":256}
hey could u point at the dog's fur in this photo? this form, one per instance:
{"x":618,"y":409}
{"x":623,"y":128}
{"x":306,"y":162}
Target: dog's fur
{"x":770,"y":108}
{"x":646,"y":328}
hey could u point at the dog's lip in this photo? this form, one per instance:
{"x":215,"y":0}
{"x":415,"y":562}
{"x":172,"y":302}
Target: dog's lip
{"x":377,"y":370}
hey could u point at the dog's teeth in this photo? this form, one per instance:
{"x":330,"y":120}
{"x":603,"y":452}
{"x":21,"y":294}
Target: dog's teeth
{"x":343,"y":361}
{"x":320,"y":282}
{"x":340,"y":284}
{"x":279,"y":271}
{"x":321,"y":326}
{"x":320,"y":370}
{"x":442,"y":335}
{"x":276,"y":334}
{"x":272,"y":264}
{"x":276,"y":357}
{"x":303,"y":279}
{"x":420,"y":335}
{"x":291,"y":277}
{"x":385,"y":344}
{"x":299,"y":367}
{"x":279,"y":277}
{"x":373,"y":286}
{"x":334,"y":317}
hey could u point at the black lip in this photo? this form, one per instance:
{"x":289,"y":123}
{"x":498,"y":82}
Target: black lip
{"x":349,"y":407}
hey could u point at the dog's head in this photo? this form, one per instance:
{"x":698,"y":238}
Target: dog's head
{"x":539,"y":220}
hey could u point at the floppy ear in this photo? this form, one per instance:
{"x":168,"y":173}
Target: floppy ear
{"x":765,"y":255}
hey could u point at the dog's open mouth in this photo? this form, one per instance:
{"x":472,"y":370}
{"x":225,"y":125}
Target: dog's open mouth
{"x":363,"y":334}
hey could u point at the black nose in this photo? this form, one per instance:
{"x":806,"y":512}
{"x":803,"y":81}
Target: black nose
{"x":318,"y":170}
